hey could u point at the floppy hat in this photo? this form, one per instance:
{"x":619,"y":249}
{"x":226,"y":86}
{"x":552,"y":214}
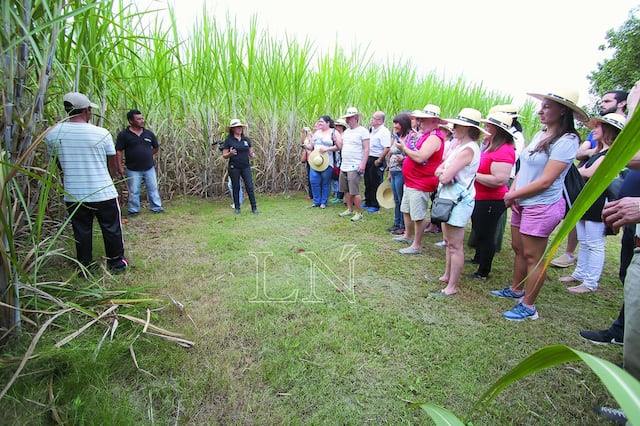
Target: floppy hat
{"x":319,"y":161}
{"x":508,"y":108}
{"x":351,"y":111}
{"x":468,"y":117}
{"x":566,"y":97}
{"x":384,"y":195}
{"x":448,"y":127}
{"x":340,"y":122}
{"x":235,"y":123}
{"x":504,"y":120}
{"x":78,"y":100}
{"x":429,"y":111}
{"x":616,"y":120}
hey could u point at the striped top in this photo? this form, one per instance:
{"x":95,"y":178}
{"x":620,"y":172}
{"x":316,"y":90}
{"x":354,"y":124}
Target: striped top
{"x":82,"y":151}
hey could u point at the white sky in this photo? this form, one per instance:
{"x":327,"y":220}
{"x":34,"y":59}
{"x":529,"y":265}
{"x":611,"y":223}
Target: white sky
{"x":511,"y":46}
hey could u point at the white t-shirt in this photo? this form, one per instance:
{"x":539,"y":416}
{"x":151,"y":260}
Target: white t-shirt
{"x":82,"y":150}
{"x":465,"y":176}
{"x":352,"y":148}
{"x":380,"y":139}
{"x":532,"y":165}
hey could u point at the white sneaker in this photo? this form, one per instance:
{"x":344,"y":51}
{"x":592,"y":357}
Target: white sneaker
{"x":440,"y":244}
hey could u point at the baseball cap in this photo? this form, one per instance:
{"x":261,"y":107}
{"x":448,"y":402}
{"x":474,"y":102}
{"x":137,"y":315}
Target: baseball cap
{"x":78,"y":100}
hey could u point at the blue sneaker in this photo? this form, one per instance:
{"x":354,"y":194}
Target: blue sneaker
{"x":520,"y":313}
{"x":507,"y":293}
{"x":372,"y":209}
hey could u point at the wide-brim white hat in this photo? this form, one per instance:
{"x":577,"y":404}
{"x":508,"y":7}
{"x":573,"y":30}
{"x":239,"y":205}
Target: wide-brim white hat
{"x":566,"y":97}
{"x":503,"y":120}
{"x":429,"y":111}
{"x":318,"y":161}
{"x":235,"y":123}
{"x":468,"y":117}
{"x":384,"y":195}
{"x":351,"y":111}
{"x":616,"y":120}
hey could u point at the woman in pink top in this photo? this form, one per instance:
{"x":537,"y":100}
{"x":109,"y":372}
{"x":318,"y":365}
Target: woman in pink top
{"x":493,"y":174}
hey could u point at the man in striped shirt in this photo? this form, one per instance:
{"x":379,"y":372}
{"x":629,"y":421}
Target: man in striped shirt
{"x":87,"y":157}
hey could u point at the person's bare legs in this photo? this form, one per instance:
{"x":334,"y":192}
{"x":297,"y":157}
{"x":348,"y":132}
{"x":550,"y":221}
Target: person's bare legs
{"x":408,"y":226}
{"x":455,"y":256}
{"x":534,"y":248}
{"x":519,"y":261}
{"x":349,"y":201}
{"x":419,"y":232}
{"x":357,"y":201}
{"x":572,"y":242}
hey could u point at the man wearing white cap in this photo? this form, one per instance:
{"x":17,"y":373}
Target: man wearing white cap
{"x":87,"y":157}
{"x":355,"y":152}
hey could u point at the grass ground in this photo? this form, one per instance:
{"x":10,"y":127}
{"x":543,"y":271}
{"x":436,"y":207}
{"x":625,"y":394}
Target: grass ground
{"x":277,"y":343}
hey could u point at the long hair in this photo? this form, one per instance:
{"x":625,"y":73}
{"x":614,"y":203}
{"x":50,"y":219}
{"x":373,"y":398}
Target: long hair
{"x":500,"y":138}
{"x":233,"y":135}
{"x":609,"y":133}
{"x":405,"y":123}
{"x":566,"y":126}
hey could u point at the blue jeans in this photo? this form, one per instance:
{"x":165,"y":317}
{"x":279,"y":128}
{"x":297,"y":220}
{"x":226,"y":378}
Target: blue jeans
{"x":320,"y":185}
{"x":134,"y":182}
{"x":397,"y":187}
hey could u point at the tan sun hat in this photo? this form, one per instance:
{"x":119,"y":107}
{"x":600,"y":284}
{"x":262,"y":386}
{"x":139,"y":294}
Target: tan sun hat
{"x":384,"y":195}
{"x":235,"y":123}
{"x":616,"y":120}
{"x":429,"y":111}
{"x":448,"y":127}
{"x":566,"y":97}
{"x":341,"y":122}
{"x":468,"y":117}
{"x":503,"y":120}
{"x":351,"y":111}
{"x":318,"y":161}
{"x":508,"y":108}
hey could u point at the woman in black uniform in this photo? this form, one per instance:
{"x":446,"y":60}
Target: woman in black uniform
{"x":237,"y":148}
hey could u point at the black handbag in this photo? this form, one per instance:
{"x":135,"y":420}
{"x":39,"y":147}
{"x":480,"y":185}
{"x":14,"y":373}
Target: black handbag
{"x":441,"y":208}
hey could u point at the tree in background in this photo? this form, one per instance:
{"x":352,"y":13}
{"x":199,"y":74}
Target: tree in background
{"x":622,"y":70}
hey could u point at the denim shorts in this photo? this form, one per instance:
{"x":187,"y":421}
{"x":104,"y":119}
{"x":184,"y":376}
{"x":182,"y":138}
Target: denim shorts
{"x":538,"y":220}
{"x":461,"y":213}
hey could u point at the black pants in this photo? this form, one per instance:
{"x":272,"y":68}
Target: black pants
{"x":484,"y":222}
{"x":235,"y":174}
{"x":372,"y":179}
{"x":108,"y":215}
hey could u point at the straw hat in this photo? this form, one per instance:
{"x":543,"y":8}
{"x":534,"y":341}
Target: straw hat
{"x":429,"y":111}
{"x":508,"y":108}
{"x":351,"y":111}
{"x":566,"y":97}
{"x":319,"y":161}
{"x":341,"y":122}
{"x":448,"y":127}
{"x":235,"y":123}
{"x":384,"y":195}
{"x":616,"y":120}
{"x":500,"y":119}
{"x":468,"y":117}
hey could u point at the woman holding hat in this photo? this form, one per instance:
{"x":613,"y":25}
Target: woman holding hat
{"x":324,"y":140}
{"x":422,"y":158}
{"x":456,"y":175}
{"x":590,"y":228}
{"x":237,"y":149}
{"x":494,"y":172}
{"x":535,"y":197}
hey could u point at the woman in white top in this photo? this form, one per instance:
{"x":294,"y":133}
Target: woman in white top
{"x":456,"y":175}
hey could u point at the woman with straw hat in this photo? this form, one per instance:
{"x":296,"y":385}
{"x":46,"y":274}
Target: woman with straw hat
{"x":494,"y":172}
{"x":535,"y":197}
{"x":590,"y":228}
{"x":325,"y":140}
{"x":456,"y":175}
{"x":237,"y":149}
{"x":422,"y":158}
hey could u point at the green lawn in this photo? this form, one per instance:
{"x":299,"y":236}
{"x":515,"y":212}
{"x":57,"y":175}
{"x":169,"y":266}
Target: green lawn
{"x":272,"y":348}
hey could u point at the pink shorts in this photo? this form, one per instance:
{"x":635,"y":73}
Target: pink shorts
{"x":538,"y":220}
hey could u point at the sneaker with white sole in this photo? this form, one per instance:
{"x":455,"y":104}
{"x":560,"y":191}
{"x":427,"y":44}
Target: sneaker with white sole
{"x":521,"y":312}
{"x":440,"y":244}
{"x":410,"y":250}
{"x":356,"y":217}
{"x":612,"y":414}
{"x":346,"y":213}
{"x":601,"y":337}
{"x":563,"y":261}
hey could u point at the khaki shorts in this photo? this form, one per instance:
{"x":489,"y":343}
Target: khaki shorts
{"x":415,"y":202}
{"x":349,"y":182}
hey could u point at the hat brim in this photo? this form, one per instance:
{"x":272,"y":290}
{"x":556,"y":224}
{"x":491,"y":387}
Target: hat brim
{"x":466,"y":124}
{"x":384,"y":195}
{"x":238,"y":125}
{"x":591,"y":123}
{"x":318,"y":167}
{"x":501,"y":125}
{"x":578,"y":113}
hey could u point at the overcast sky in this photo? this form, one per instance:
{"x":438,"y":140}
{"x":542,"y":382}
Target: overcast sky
{"x":511,"y":46}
